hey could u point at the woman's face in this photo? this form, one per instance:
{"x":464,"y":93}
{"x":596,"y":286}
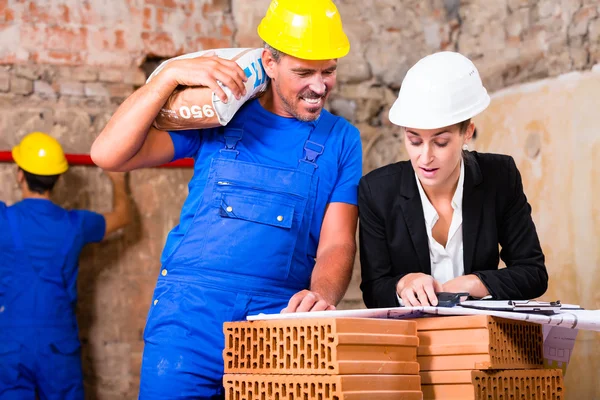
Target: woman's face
{"x":435,"y":154}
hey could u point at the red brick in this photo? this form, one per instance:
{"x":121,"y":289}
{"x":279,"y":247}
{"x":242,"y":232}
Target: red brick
{"x":147,"y":21}
{"x":159,"y":44}
{"x":162,"y":3}
{"x":189,"y":7}
{"x":8,"y":58}
{"x":9,"y":15}
{"x":59,"y":57}
{"x":215,"y":6}
{"x":59,"y":38}
{"x":120,"y":40}
{"x":65,"y":13}
{"x":34,"y":57}
{"x":33,"y":13}
{"x":160,"y":17}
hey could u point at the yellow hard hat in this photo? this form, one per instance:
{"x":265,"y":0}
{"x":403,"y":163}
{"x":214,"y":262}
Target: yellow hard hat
{"x":307,"y":29}
{"x":40,"y":154}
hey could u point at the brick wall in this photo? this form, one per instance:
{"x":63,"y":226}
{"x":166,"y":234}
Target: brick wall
{"x":109,"y":33}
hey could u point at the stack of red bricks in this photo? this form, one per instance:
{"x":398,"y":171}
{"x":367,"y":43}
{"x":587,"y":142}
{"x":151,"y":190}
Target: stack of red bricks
{"x":484,"y":358}
{"x":341,"y":359}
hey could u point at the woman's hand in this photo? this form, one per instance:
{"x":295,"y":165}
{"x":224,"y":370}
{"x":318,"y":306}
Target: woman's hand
{"x":418,"y":289}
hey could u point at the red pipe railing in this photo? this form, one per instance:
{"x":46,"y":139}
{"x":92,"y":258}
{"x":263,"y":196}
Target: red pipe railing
{"x":85,"y":159}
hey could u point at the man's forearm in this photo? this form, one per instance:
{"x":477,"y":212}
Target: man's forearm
{"x":126,"y":131}
{"x":121,"y":203}
{"x":332,"y":272}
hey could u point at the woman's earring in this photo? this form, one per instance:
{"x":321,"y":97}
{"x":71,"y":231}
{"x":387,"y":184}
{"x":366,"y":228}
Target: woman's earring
{"x":465,"y":147}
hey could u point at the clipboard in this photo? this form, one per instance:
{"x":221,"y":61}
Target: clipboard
{"x":526,"y":306}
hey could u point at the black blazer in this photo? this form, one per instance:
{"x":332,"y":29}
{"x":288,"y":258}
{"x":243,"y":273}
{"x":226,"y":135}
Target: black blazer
{"x":393,"y":237}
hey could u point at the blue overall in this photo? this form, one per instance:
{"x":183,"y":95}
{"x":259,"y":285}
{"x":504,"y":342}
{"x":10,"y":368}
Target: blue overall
{"x":244,"y":253}
{"x":39,"y":344}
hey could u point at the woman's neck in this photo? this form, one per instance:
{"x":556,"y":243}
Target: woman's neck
{"x":446,"y":190}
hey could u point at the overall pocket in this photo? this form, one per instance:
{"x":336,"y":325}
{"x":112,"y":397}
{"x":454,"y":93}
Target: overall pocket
{"x":253,"y":231}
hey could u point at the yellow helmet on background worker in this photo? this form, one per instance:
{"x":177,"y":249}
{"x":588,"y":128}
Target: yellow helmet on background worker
{"x":306,"y":29}
{"x":40,"y":154}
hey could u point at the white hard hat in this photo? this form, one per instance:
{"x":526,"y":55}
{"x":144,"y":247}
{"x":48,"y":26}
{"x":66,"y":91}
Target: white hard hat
{"x":441,"y":89}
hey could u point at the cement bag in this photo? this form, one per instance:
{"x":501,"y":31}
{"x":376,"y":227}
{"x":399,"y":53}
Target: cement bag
{"x":198,"y":107}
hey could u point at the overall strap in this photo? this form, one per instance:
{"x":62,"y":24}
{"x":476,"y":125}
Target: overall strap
{"x":314,"y":145}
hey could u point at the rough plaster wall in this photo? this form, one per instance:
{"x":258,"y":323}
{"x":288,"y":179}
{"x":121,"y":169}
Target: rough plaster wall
{"x":68,"y":64}
{"x":550,"y":127}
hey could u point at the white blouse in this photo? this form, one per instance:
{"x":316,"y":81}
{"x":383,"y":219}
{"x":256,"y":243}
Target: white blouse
{"x":446,"y":262}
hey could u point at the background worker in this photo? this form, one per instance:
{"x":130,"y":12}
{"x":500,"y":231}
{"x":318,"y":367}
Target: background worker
{"x":40,"y":243}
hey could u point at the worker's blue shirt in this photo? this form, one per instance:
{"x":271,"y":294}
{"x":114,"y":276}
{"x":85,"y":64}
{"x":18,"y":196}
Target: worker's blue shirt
{"x":275,"y":141}
{"x":44,"y":229}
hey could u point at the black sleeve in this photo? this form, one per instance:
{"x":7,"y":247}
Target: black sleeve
{"x":378,"y":283}
{"x":525,"y":276}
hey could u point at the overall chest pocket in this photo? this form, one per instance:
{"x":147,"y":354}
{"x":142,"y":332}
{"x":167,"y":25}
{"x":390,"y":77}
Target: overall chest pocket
{"x":254,"y":231}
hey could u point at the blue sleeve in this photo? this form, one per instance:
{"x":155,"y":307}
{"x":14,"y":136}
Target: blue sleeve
{"x":186,"y":143}
{"x":350,"y":169}
{"x":93,"y":226}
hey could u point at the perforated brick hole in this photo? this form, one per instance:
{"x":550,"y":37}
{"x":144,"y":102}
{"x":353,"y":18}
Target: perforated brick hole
{"x":519,"y":385}
{"x":321,"y":346}
{"x":322,"y":387}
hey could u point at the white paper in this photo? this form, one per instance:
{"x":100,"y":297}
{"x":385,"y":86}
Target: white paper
{"x":571,"y":319}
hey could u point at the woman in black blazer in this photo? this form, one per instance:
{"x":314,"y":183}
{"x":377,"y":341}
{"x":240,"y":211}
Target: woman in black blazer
{"x":434,"y":223}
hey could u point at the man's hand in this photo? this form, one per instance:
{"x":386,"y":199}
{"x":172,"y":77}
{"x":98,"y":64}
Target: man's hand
{"x":306,"y":300}
{"x":418,"y":289}
{"x":206,"y":71}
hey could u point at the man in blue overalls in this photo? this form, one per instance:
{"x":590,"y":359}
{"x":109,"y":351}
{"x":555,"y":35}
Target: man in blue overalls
{"x":270,"y":219}
{"x":40,"y":244}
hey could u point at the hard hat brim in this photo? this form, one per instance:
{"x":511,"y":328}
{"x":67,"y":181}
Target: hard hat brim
{"x":404,"y":118}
